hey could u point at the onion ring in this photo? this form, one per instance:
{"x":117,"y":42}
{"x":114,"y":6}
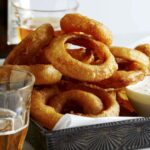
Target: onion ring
{"x":91,"y":104}
{"x":129,"y":54}
{"x":126,"y":108}
{"x":57,"y":98}
{"x":43,"y":114}
{"x":78,"y":70}
{"x":81,"y":23}
{"x":121,"y":79}
{"x":44,"y":74}
{"x":81,"y":55}
{"x":25,"y":52}
{"x":111,"y":107}
{"x":131,"y":65}
{"x":27,"y":56}
{"x":145,"y":48}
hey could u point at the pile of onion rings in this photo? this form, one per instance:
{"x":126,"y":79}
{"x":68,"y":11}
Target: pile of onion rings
{"x":56,"y":53}
{"x":132,"y":68}
{"x":28,"y":55}
{"x":78,"y":71}
{"x":81,"y":99}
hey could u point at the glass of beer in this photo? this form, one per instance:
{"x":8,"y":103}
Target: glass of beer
{"x":15,"y":93}
{"x":32,"y":13}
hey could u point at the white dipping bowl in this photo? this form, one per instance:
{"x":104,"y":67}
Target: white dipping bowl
{"x":139,"y":96}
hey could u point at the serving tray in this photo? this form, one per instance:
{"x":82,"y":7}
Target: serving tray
{"x":122,"y":135}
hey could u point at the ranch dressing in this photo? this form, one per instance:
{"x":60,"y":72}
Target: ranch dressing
{"x":139,"y":96}
{"x":142,"y":87}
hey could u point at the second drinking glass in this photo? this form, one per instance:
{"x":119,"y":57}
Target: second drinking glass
{"x":30,"y":14}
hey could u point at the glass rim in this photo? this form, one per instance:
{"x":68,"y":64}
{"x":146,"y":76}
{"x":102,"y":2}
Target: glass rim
{"x":52,"y":11}
{"x":30,"y":84}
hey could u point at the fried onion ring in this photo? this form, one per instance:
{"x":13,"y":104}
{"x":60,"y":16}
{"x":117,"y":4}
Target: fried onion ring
{"x":130,"y":54}
{"x":42,"y":113}
{"x":81,"y":23}
{"x":82,"y":55}
{"x":71,"y":67}
{"x":95,"y":102}
{"x":145,"y":48}
{"x":129,"y":73}
{"x":121,"y":79}
{"x":44,"y":74}
{"x":111,"y":107}
{"x":134,"y":69}
{"x":131,"y":65}
{"x":25,"y":52}
{"x":28,"y":56}
{"x":90,"y":103}
{"x":126,"y":109}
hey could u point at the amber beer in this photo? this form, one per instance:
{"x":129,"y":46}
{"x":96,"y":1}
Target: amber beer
{"x":13,"y":141}
{"x":31,"y":24}
{"x":15,"y":96}
{"x":23,"y":32}
{"x":12,"y":134}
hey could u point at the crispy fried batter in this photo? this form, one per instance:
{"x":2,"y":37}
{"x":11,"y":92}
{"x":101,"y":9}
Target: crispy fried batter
{"x":130,"y":55}
{"x":145,"y":48}
{"x":29,"y":55}
{"x":73,"y":68}
{"x":44,"y":74}
{"x":42,"y":113}
{"x":121,"y":79}
{"x":78,"y":23}
{"x":25,"y":52}
{"x":90,"y":103}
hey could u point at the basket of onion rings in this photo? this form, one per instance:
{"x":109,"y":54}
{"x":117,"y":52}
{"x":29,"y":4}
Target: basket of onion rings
{"x":78,"y":71}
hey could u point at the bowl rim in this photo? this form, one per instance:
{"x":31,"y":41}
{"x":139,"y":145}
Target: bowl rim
{"x":129,"y":88}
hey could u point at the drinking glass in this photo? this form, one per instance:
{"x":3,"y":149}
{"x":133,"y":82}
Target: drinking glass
{"x":15,"y":93}
{"x":32,"y":13}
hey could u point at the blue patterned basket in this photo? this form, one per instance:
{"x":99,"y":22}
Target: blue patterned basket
{"x":122,"y":135}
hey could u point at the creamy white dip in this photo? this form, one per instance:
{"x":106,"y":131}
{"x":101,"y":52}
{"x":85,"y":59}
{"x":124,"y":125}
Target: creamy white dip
{"x":139,"y":96}
{"x":142,"y":87}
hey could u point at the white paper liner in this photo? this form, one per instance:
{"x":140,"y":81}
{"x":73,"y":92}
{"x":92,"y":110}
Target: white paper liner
{"x":70,"y":121}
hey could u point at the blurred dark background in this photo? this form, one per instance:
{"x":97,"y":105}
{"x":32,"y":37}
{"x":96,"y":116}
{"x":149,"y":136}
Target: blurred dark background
{"x":4,"y":48}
